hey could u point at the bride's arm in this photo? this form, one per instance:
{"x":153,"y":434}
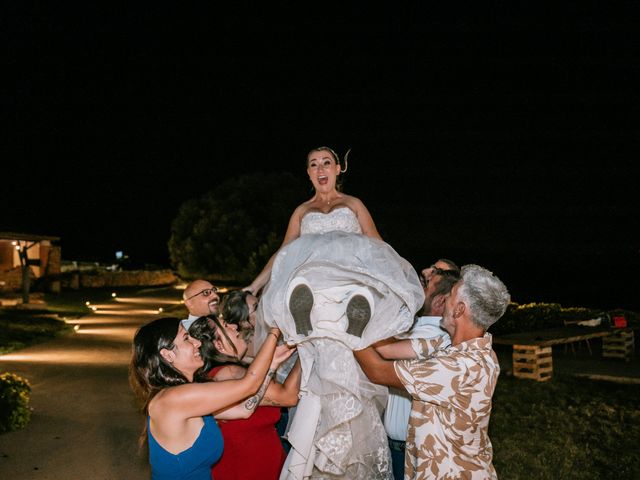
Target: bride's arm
{"x":293,"y":232}
{"x":366,"y":221}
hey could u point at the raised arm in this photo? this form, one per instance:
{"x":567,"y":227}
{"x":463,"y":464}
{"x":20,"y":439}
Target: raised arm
{"x":377,"y":369}
{"x":239,"y":410}
{"x":393,"y":349}
{"x":198,"y":399}
{"x":293,"y":232}
{"x":364,"y":218}
{"x":285,"y":394}
{"x":245,"y":408}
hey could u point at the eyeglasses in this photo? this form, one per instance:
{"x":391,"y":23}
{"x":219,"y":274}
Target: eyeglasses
{"x":207,"y":292}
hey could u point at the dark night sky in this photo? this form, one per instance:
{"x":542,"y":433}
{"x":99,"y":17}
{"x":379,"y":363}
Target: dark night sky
{"x":508,"y":139}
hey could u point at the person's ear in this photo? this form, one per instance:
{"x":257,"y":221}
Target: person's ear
{"x":459,"y":309}
{"x":219,"y":345}
{"x":168,"y":355}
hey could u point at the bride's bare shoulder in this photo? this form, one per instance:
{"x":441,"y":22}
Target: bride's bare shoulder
{"x":353,"y":202}
{"x":304,"y":208}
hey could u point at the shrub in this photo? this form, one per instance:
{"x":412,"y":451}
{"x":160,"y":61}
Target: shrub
{"x":537,"y":316}
{"x":211,"y":240}
{"x":15,"y":393}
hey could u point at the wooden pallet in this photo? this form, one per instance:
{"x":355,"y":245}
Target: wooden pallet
{"x":620,"y":345}
{"x":532,"y":361}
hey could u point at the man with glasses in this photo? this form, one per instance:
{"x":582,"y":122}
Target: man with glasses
{"x":201,"y":299}
{"x":437,"y":280}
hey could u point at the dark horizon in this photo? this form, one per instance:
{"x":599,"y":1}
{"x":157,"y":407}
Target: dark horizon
{"x":508,"y":140}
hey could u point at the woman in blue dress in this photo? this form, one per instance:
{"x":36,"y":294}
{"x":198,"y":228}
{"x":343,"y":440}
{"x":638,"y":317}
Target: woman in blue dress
{"x":167,"y":378}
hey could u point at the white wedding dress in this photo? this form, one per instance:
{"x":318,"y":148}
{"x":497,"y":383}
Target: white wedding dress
{"x":332,"y":291}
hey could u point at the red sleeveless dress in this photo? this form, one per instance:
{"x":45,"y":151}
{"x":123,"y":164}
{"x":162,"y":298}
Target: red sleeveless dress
{"x":252,"y":447}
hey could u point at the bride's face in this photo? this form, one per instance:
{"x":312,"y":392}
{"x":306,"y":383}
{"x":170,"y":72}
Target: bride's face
{"x":323,"y":170}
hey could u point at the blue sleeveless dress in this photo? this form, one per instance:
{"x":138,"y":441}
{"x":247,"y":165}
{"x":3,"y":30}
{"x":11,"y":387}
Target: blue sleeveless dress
{"x":192,"y":464}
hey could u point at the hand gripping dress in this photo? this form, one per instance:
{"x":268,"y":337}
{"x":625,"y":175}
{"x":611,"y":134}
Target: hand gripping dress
{"x":332,"y":291}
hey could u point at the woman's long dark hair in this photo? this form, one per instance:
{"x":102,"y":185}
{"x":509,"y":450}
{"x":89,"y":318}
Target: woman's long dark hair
{"x":149,"y":372}
{"x":203,"y":331}
{"x":235,"y":310}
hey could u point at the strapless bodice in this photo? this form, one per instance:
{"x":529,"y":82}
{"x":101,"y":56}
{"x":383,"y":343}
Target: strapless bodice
{"x":339,"y":219}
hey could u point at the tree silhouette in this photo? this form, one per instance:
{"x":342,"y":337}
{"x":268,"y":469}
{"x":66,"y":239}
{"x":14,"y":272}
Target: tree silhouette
{"x":230,"y":232}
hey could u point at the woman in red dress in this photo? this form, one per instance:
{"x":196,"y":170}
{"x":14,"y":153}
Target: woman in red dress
{"x":252,"y":446}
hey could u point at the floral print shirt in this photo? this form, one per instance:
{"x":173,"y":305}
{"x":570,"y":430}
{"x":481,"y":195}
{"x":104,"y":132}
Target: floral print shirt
{"x":451,"y":390}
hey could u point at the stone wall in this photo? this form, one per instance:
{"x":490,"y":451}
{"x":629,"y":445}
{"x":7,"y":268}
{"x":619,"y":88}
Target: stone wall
{"x":54,"y":260}
{"x":11,"y":280}
{"x":103,"y":279}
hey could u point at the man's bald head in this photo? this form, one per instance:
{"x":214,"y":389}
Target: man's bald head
{"x":201,"y":298}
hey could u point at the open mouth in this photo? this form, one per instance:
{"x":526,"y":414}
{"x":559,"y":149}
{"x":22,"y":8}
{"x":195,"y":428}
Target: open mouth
{"x":323,"y":179}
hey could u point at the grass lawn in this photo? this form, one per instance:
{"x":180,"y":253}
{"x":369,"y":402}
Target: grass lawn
{"x":566,"y":428}
{"x":21,"y":327}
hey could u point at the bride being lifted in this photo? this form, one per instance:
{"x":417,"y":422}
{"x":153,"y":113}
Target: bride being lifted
{"x":323,"y":167}
{"x":333,"y":287}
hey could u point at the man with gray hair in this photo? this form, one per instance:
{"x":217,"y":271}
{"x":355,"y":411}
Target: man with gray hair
{"x":451,"y":388}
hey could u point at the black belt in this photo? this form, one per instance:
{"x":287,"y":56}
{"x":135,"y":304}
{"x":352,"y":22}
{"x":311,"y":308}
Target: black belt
{"x":396,"y":444}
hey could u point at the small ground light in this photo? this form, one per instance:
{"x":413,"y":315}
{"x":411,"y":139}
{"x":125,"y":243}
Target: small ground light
{"x":113,"y":294}
{"x":160,"y":310}
{"x":76,"y":327}
{"x":94,"y":308}
{"x":87,"y":303}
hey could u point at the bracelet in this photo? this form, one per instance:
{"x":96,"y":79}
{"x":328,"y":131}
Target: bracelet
{"x":274,"y":334}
